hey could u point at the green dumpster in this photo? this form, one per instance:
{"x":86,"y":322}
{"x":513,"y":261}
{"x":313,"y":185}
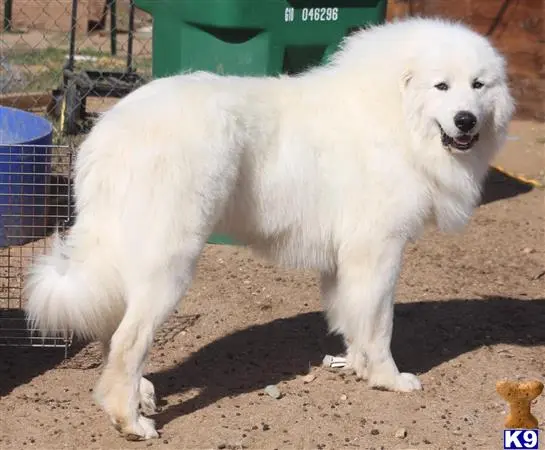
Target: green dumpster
{"x":251,"y":37}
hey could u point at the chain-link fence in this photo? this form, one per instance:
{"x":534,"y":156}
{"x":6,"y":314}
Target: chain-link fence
{"x":66,"y":61}
{"x":71,"y":59}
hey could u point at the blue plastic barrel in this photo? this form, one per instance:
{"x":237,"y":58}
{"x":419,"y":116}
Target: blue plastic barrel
{"x":25,"y":166}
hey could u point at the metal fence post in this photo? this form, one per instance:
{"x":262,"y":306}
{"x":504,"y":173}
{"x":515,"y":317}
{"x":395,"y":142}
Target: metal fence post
{"x":7,"y":14}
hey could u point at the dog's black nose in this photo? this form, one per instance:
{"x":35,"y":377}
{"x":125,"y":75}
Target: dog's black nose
{"x":465,"y":121}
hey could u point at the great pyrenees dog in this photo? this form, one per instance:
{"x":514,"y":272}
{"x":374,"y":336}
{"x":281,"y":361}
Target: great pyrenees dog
{"x":334,"y":169}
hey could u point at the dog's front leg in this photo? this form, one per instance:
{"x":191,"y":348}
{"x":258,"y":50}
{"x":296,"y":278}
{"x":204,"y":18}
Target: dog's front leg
{"x":362,"y":309}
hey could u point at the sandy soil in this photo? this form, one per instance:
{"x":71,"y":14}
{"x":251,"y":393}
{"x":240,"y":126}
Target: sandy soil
{"x":471,"y":310}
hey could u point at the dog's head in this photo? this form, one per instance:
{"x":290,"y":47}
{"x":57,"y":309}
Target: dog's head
{"x":456,"y":90}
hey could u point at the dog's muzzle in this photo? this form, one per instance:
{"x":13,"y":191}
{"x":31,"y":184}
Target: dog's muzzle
{"x":461,"y":143}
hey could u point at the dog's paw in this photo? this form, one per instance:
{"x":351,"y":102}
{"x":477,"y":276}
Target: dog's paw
{"x":407,"y":382}
{"x":401,"y":382}
{"x":143,"y":429}
{"x":147,"y":397}
{"x":357,"y":363}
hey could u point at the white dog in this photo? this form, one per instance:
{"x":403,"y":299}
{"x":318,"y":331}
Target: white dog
{"x":334,"y":169}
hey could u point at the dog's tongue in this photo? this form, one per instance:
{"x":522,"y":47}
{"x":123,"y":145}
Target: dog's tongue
{"x":464,"y":139}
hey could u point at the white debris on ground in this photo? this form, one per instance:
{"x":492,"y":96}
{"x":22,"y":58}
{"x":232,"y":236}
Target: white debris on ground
{"x":272,"y":391}
{"x":335,"y":362}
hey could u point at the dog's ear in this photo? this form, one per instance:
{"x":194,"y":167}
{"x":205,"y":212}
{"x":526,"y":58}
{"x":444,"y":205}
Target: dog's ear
{"x":504,"y":106}
{"x":504,"y":103}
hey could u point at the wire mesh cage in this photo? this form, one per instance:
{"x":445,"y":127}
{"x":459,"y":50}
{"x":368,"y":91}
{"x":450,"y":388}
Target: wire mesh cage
{"x":66,"y":61}
{"x":35,"y":200}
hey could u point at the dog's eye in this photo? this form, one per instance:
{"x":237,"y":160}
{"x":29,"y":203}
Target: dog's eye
{"x":442,"y":86}
{"x":477,"y":84}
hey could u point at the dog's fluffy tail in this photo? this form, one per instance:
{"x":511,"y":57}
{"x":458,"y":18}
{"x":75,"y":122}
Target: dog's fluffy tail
{"x":74,"y":288}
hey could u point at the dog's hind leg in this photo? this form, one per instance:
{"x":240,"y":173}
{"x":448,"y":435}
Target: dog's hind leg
{"x":148,"y":400}
{"x":152,"y":295}
{"x":363,"y":306}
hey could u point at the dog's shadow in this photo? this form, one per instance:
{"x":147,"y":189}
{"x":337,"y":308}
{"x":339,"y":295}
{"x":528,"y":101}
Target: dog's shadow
{"x":499,"y":186}
{"x":426,"y":334}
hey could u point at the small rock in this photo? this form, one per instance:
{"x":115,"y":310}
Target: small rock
{"x":222,"y":446}
{"x":309,"y":378}
{"x":272,"y":391}
{"x":528,"y":250}
{"x":344,"y":398}
{"x":401,"y":433}
{"x":374,"y":432}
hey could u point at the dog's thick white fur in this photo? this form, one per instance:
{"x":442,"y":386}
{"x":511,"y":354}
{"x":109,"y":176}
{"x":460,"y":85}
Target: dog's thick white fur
{"x":334,"y":169}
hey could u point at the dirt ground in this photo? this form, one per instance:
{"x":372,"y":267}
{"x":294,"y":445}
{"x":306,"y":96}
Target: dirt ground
{"x":470,"y":311}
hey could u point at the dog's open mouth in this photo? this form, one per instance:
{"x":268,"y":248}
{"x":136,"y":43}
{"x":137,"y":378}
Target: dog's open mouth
{"x":463,"y":143}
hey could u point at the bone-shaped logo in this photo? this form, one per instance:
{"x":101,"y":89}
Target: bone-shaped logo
{"x":519,"y":396}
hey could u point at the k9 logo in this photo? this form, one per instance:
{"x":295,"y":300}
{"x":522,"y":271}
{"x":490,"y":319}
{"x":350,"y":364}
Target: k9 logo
{"x":520,"y":439}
